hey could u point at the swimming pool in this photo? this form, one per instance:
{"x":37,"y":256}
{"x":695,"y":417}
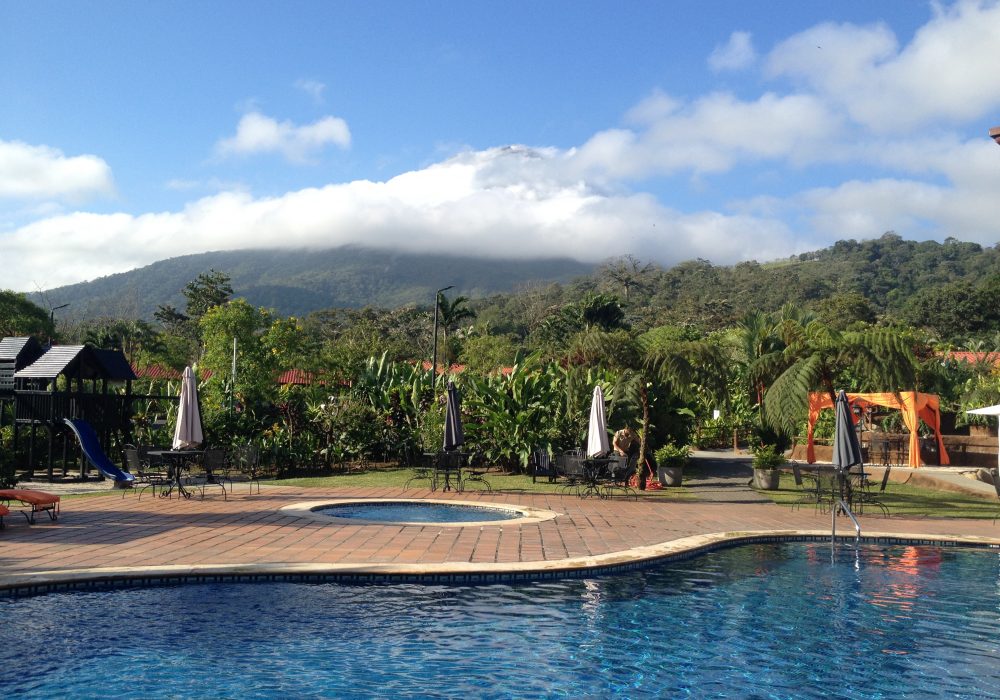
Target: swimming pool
{"x":418,"y":512}
{"x":773,"y":620}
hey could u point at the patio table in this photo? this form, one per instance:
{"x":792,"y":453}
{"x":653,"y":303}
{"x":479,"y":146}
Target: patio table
{"x":595,"y":472}
{"x":447,"y":463}
{"x":176,"y":459}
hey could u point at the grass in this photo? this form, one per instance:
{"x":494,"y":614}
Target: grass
{"x":396,"y":477}
{"x":901,"y":499}
{"x":906,"y":501}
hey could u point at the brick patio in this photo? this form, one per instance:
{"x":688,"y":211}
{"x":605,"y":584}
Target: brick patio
{"x":108,"y":536}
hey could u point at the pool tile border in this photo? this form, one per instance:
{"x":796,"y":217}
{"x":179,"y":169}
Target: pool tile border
{"x":41,"y":583}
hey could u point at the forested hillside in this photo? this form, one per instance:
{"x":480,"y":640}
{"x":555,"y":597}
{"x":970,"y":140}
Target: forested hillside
{"x":298,"y":282}
{"x":950,"y":288}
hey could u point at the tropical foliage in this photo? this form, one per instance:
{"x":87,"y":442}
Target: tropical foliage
{"x":695,"y":354}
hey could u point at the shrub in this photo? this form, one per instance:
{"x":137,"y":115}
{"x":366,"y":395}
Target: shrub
{"x":672,"y":456}
{"x":768,"y":457}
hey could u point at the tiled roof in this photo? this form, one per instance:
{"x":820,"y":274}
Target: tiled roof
{"x":155,"y":372}
{"x":292,"y":376}
{"x":296,"y":376}
{"x":972,"y":357}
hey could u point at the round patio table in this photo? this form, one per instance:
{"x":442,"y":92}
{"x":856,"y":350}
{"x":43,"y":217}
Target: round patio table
{"x":176,"y":459}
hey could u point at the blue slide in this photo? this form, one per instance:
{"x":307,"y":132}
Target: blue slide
{"x":93,"y":451}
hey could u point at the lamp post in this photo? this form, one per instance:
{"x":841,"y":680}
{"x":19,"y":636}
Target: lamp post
{"x":434,"y":356}
{"x":52,"y":314}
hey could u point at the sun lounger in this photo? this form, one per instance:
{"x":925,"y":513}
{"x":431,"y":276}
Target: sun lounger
{"x":40,"y":502}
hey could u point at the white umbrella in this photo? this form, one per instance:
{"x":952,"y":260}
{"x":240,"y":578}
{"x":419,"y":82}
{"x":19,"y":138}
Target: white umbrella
{"x":187,"y":434}
{"x":989,"y":411}
{"x":597,"y":434}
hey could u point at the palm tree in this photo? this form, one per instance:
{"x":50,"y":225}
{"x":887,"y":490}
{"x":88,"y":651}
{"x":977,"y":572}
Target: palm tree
{"x":816,"y":357}
{"x":679,"y":368}
{"x":451,"y":314}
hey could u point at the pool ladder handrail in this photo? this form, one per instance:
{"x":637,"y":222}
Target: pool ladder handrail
{"x":841,"y":504}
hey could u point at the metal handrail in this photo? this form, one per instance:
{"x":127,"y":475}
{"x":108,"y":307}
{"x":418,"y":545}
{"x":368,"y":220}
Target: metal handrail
{"x":842,"y":505}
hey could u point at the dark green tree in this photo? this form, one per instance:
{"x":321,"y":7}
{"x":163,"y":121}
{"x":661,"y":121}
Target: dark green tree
{"x":450,"y":314}
{"x":20,"y":316}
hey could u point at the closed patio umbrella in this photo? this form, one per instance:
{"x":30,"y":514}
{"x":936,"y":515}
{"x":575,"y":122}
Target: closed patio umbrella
{"x":989,"y":411}
{"x":187,"y":433}
{"x":846,"y":447}
{"x":454,"y":435}
{"x":597,"y":433}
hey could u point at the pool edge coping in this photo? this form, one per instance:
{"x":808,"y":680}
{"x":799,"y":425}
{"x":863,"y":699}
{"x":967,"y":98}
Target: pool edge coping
{"x":41,"y":582}
{"x":308,"y":510}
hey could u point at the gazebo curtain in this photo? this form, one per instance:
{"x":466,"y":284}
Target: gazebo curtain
{"x":913,"y":405}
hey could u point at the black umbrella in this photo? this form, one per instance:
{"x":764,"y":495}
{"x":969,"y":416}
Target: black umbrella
{"x":846,"y":448}
{"x":454,"y":436}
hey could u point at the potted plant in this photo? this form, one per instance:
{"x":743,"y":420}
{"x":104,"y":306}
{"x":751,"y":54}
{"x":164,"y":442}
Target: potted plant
{"x":670,"y":461}
{"x":767,"y":463}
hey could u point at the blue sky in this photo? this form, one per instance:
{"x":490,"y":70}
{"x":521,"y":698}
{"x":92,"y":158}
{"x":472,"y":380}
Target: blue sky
{"x":132,"y":132}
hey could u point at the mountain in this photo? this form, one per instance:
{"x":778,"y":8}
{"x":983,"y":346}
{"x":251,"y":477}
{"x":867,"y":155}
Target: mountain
{"x":296,"y":282}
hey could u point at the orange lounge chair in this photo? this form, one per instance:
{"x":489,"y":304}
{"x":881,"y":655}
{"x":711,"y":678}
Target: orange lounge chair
{"x":40,"y":502}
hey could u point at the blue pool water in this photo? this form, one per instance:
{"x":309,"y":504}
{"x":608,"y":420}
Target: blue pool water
{"x":417,"y":512}
{"x":765,"y":621}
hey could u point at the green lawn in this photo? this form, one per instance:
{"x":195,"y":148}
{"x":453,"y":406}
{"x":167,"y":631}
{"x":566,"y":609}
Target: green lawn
{"x":499,"y":481}
{"x":901,"y":499}
{"x":905,"y":500}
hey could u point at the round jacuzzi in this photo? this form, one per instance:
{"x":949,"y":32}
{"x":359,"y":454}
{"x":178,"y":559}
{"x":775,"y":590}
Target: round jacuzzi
{"x":417,"y":512}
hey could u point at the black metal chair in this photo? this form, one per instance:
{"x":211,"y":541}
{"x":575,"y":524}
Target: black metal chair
{"x":617,"y":475}
{"x":812,"y":493}
{"x":862,"y":495}
{"x":146,"y":477}
{"x":212,"y":472}
{"x":541,"y":464}
{"x":244,"y":464}
{"x":475,"y":471}
{"x":569,"y":466}
{"x":448,"y":465}
{"x":423,"y":468}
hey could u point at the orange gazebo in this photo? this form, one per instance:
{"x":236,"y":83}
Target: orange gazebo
{"x":913,"y":405}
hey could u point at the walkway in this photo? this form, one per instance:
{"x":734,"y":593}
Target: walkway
{"x":103,"y":537}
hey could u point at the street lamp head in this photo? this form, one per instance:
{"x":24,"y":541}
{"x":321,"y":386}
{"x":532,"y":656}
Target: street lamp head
{"x":995,"y":134}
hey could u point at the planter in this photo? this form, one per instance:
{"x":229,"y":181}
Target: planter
{"x":766,"y":479}
{"x":670,"y":476}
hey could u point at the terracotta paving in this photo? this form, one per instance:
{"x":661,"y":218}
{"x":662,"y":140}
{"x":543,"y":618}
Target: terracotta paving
{"x":110,"y":535}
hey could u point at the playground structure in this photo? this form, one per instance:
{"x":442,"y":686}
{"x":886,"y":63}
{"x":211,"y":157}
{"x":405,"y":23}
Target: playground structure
{"x":43,"y":388}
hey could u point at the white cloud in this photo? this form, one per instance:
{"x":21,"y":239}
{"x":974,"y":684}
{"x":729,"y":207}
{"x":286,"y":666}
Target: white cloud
{"x":738,"y":53}
{"x":946,"y":73}
{"x":257,"y":133}
{"x":475,"y":203}
{"x":313,"y":88}
{"x":712,"y":135}
{"x":41,"y":172}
